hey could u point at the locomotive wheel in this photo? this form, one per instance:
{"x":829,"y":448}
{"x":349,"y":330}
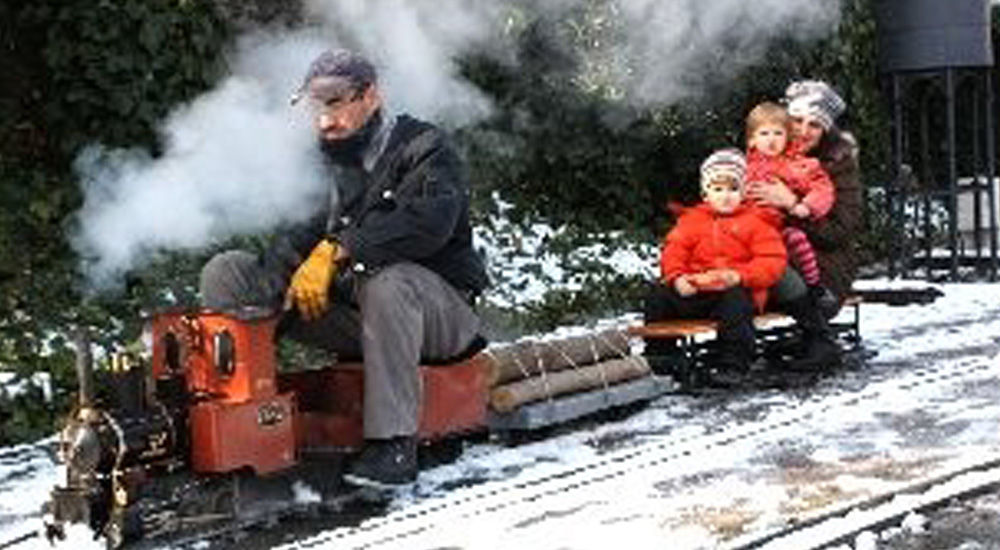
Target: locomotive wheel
{"x":123,"y":527}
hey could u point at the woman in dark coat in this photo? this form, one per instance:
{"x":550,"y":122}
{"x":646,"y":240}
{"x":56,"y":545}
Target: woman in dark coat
{"x":814,"y":108}
{"x":834,"y":236}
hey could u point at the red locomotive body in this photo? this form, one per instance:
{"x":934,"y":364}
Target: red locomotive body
{"x":163,"y":445}
{"x":247,"y":414}
{"x":331,"y":402}
{"x":237,"y":418}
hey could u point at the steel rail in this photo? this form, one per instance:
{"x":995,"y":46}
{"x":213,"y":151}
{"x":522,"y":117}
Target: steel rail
{"x":845,"y":522}
{"x":496,"y":497}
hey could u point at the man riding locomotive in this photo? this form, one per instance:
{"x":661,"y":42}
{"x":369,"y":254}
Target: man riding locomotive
{"x":384,"y":270}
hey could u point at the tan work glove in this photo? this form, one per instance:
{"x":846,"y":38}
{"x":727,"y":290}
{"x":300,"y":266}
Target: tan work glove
{"x":309,"y":289}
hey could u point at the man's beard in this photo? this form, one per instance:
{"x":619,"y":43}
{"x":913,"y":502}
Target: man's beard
{"x":351,"y":150}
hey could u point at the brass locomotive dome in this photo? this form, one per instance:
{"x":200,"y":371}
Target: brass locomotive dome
{"x":81,"y":447}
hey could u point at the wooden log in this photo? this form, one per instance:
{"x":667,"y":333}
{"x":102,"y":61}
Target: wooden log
{"x":533,"y":357}
{"x":508,"y":397}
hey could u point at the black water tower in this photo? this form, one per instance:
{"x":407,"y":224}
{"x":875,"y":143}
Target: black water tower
{"x":936,"y":58}
{"x":918,"y":35}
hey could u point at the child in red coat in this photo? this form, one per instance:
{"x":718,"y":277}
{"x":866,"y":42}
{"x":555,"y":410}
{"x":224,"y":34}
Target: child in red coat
{"x":772,"y":157}
{"x":718,"y":262}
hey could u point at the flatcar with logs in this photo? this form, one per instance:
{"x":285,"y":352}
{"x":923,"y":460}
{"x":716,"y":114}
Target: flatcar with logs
{"x":207,"y":431}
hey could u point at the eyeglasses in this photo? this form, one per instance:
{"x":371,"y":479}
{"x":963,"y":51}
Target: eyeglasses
{"x":335,"y":104}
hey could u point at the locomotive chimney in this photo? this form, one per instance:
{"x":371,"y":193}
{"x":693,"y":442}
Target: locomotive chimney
{"x":84,"y":367}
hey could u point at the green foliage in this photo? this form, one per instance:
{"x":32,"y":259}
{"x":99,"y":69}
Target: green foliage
{"x":24,"y":417}
{"x":555,"y":149}
{"x":118,"y":66}
{"x":79,"y":72}
{"x":604,"y":293}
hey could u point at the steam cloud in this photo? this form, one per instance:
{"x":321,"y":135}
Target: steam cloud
{"x":240,"y":160}
{"x":235,"y":160}
{"x":668,"y":65}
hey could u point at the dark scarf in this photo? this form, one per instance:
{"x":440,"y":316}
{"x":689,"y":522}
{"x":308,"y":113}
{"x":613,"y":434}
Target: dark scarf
{"x":350,"y":151}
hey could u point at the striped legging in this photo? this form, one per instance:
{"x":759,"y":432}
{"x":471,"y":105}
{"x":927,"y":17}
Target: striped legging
{"x":802,"y":255}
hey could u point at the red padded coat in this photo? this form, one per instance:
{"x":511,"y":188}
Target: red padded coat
{"x":804,"y":175}
{"x":742,"y":241}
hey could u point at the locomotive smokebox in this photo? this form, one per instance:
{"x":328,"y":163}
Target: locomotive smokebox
{"x":916,"y":35}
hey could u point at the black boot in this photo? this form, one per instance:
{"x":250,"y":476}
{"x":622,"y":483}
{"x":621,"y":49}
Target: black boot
{"x":819,"y":349}
{"x":385,"y":463}
{"x":825,"y":300}
{"x":821,"y":353}
{"x":728,"y":365}
{"x":664,"y":356}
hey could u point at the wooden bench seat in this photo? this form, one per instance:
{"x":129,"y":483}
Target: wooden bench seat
{"x":677,"y":328}
{"x":686,"y":328}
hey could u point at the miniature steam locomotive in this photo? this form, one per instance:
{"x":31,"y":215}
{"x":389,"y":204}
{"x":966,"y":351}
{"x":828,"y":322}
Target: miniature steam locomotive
{"x":208,"y":432}
{"x":210,"y":429}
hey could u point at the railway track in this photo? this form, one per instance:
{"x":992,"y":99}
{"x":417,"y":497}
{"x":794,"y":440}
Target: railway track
{"x":526,"y":497}
{"x":844,"y":523}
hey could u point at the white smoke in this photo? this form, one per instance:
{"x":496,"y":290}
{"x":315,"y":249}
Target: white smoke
{"x":416,"y":46}
{"x":660,"y":52}
{"x":239,"y":160}
{"x":667,"y":64}
{"x":235,"y":160}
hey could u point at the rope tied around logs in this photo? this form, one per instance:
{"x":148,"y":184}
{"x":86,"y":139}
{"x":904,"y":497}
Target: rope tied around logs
{"x":526,"y":373}
{"x":546,"y":387}
{"x":536,"y":370}
{"x":623,"y":352}
{"x":595,"y":360}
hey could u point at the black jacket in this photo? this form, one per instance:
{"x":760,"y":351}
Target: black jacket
{"x":408,"y":203}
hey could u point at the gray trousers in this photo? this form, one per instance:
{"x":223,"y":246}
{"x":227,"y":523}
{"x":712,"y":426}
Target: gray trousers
{"x":404,"y":313}
{"x":790,"y":287}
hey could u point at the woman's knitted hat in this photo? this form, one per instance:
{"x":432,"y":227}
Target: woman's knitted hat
{"x":814,"y":98}
{"x":724,"y":163}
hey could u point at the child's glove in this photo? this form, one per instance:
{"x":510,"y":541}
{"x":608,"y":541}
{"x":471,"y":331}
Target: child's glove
{"x":728,"y":278}
{"x":309,"y":289}
{"x":716,"y":279}
{"x":684,"y":287}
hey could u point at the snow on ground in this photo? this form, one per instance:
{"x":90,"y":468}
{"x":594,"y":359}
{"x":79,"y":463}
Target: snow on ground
{"x":27,"y":475}
{"x":665,"y":477}
{"x":833,"y":450}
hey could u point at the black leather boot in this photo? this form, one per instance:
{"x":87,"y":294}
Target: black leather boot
{"x":825,"y":300}
{"x":385,"y":463}
{"x":664,"y":356}
{"x":728,"y":365}
{"x":819,"y":349}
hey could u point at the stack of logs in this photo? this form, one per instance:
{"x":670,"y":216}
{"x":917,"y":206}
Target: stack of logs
{"x":533,"y":370}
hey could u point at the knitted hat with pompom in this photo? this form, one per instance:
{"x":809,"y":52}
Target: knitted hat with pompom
{"x":724,"y":163}
{"x":816,"y":99}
